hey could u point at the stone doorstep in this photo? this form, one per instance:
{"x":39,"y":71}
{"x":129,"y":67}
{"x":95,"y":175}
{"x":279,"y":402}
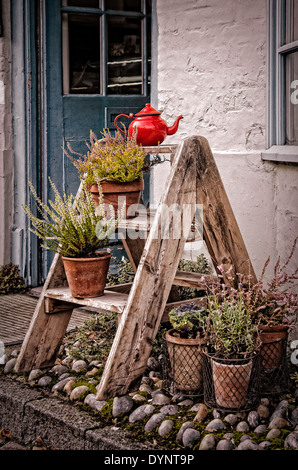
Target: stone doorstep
{"x":27,"y":414}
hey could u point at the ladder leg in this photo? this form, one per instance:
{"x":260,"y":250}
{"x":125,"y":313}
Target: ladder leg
{"x":152,"y":284}
{"x":43,"y":339}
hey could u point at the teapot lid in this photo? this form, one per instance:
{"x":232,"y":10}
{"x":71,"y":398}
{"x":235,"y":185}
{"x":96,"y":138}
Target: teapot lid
{"x":148,"y":111}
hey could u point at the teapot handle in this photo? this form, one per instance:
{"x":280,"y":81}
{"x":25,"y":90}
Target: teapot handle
{"x":125,"y":115}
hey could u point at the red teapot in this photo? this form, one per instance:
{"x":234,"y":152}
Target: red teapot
{"x":150,"y":128}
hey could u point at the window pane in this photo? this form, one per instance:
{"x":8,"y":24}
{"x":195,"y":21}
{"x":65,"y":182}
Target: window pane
{"x":124,"y":56}
{"x":291,"y":20}
{"x":124,"y":5}
{"x":81,"y":53}
{"x":291,"y":64}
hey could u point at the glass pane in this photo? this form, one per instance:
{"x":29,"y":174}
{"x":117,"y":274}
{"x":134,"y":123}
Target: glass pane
{"x":124,"y":5}
{"x":291,"y":67}
{"x":291,"y":20}
{"x":124,"y":56}
{"x":83,"y":3}
{"x":81,"y":54}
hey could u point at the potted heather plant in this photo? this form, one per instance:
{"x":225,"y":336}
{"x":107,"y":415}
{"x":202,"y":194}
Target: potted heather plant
{"x":74,"y":228}
{"x":232,"y":346}
{"x":117,"y":163}
{"x":185,"y":341}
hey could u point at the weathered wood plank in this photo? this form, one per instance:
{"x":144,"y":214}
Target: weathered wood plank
{"x":154,"y":277}
{"x":220,"y":229}
{"x":110,"y":301}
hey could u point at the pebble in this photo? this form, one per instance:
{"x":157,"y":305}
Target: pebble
{"x":273,"y":433}
{"x":122,"y":406}
{"x":60,"y":385}
{"x":35,"y":374}
{"x":79,"y":365}
{"x":261,"y":428}
{"x":169,"y":410}
{"x":231,"y":419}
{"x":215,"y":425}
{"x":253,"y":419}
{"x":292,"y":440}
{"x":225,"y":444}
{"x":69,"y":386}
{"x":140,"y":413}
{"x":186,"y":425}
{"x":263,"y":411}
{"x":165,"y":427}
{"x":281,"y":410}
{"x":294,"y":417}
{"x":202,"y":413}
{"x":248,"y":444}
{"x":160,"y":399}
{"x":59,"y":369}
{"x":190,"y":437}
{"x":93,"y":403}
{"x":139,"y":398}
{"x":208,"y":442}
{"x":9,"y":365}
{"x":242,"y":427}
{"x":278,"y":423}
{"x":44,"y":381}
{"x":77,"y":392}
{"x":154,"y":421}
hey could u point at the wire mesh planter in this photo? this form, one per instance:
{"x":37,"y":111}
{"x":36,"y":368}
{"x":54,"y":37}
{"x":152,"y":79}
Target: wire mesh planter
{"x":231,"y":384}
{"x":183,"y":365}
{"x":274,"y":368}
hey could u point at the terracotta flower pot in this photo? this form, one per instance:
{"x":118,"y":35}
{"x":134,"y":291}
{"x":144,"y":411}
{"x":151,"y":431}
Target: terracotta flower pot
{"x":186,"y":361}
{"x":231,"y":382}
{"x":272,"y":344}
{"x":117,"y":193}
{"x":87,"y":276}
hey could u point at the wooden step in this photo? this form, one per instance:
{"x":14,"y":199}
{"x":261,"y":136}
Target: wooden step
{"x":110,"y":301}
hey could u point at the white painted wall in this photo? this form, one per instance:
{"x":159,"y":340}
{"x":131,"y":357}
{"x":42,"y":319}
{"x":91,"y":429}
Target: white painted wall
{"x":211,"y":68}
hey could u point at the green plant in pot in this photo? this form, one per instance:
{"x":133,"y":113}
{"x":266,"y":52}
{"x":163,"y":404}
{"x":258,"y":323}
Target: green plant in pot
{"x":185,"y":341}
{"x":117,"y":163}
{"x":74,"y":228}
{"x":233,"y":342}
{"x":275,"y":306}
{"x":271,"y":304}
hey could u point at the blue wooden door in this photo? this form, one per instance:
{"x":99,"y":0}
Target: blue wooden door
{"x":95,"y":65}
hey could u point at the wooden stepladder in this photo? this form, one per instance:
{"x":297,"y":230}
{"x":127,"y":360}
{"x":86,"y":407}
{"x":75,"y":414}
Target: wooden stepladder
{"x":194,"y":179}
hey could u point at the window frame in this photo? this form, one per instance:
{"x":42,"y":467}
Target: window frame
{"x":277,"y":48}
{"x":103,"y":13}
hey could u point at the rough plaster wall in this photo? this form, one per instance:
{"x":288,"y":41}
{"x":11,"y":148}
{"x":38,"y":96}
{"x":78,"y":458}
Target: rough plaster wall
{"x":211,"y":67}
{"x":6,"y":156}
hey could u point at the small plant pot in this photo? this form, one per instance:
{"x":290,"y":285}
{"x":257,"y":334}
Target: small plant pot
{"x":186,"y":361}
{"x":272,"y":344}
{"x":231,"y":382}
{"x":117,"y":193}
{"x":87,"y":276}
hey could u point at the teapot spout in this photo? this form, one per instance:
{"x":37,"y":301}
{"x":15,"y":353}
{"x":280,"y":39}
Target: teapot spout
{"x":173,"y":129}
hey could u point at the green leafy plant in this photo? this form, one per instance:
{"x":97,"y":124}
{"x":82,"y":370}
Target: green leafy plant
{"x":11,"y":282}
{"x":189,"y":320}
{"x":72,"y":226}
{"x":111,"y":158}
{"x":232,"y":332}
{"x":124,"y":273}
{"x":199,"y":265}
{"x":268,"y":303}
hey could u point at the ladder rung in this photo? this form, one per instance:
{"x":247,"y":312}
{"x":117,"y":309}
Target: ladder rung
{"x":110,"y":301}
